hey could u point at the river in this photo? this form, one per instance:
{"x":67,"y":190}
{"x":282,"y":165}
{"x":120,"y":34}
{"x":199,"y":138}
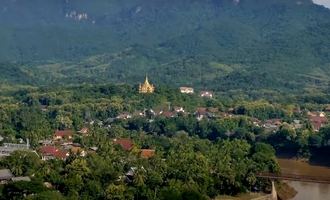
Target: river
{"x":307,"y":191}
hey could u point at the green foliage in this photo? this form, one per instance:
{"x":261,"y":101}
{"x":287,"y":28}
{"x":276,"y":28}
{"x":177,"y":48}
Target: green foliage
{"x":22,"y":163}
{"x":245,"y":46}
{"x":51,"y":195}
{"x":20,"y":189}
{"x":195,"y":159}
{"x":261,"y":110}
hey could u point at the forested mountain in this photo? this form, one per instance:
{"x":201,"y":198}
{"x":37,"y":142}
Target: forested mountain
{"x":213,"y":44}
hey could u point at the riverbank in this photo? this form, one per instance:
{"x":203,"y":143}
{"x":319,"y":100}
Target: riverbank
{"x":285,"y":191}
{"x":291,"y":166}
{"x":306,"y":191}
{"x":247,"y":196}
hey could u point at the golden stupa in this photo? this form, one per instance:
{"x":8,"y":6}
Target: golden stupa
{"x":146,"y":87}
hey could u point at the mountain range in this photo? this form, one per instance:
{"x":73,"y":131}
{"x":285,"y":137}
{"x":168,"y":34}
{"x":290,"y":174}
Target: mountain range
{"x":211,"y":44}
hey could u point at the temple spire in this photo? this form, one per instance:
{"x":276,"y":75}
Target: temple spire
{"x":146,"y":87}
{"x":146,"y":80}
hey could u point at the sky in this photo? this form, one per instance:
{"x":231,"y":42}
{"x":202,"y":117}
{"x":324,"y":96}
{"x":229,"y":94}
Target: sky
{"x":325,"y":3}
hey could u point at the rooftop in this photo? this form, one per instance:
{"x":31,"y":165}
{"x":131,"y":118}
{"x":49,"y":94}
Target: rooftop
{"x":125,"y":143}
{"x":64,"y":133}
{"x":147,"y":153}
{"x":21,"y":178}
{"x":5,"y":174}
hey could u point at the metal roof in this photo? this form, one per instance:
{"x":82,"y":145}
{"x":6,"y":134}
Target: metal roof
{"x":5,"y":174}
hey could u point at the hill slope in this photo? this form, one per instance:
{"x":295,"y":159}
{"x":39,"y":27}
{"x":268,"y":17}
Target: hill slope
{"x":217,"y":44}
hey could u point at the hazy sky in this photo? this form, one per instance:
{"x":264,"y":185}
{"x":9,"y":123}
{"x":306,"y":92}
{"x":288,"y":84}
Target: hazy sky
{"x":326,"y":3}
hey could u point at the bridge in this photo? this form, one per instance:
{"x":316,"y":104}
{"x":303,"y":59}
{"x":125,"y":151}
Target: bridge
{"x":295,"y":177}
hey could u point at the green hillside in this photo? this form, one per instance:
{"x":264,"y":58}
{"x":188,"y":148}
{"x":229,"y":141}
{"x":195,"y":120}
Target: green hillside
{"x":212,"y":44}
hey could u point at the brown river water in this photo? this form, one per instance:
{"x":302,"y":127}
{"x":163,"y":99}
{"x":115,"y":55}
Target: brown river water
{"x":307,"y":191}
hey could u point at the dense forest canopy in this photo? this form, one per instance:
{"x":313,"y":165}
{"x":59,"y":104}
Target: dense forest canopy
{"x":217,"y":44}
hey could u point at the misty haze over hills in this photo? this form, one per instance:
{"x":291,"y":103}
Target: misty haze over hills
{"x":325,"y":3}
{"x":217,"y":44}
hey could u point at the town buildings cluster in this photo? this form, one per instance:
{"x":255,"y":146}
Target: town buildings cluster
{"x":61,"y":145}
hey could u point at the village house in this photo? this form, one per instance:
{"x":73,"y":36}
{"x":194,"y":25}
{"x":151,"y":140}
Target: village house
{"x":168,"y":114}
{"x":147,"y":153}
{"x":44,"y":108}
{"x":91,"y":150}
{"x":206,"y":94}
{"x":178,"y":109}
{"x":7,"y":148}
{"x":63,"y":135}
{"x":316,"y":114}
{"x":256,"y":122}
{"x":138,"y":114}
{"x":209,"y":113}
{"x":5,"y":176}
{"x":297,"y":124}
{"x":272,"y":125}
{"x":21,"y":178}
{"x":213,"y":112}
{"x":84,"y":131}
{"x":317,"y":120}
{"x":45,"y":142}
{"x":124,"y":115}
{"x":76,"y":150}
{"x":186,"y":90}
{"x":149,"y":113}
{"x":201,"y":113}
{"x":52,"y":152}
{"x":129,"y":176}
{"x":125,"y":143}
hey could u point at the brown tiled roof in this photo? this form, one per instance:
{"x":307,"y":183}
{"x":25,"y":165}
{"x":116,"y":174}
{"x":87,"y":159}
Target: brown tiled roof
{"x":84,"y":130}
{"x":48,"y":149}
{"x":213,"y":110}
{"x":64,"y":133}
{"x":201,"y":111}
{"x":168,"y":114}
{"x":318,"y":119}
{"x":147,"y":153}
{"x":53,"y":151}
{"x":317,"y":122}
{"x":125,"y":143}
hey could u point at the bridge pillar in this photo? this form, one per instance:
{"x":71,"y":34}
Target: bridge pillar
{"x":274,"y":193}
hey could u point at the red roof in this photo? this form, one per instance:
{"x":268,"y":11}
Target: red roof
{"x":53,"y":151}
{"x":317,"y":122}
{"x":125,"y":143}
{"x":61,"y":154}
{"x":147,"y":153}
{"x":48,"y":149}
{"x":318,"y":119}
{"x":64,"y":133}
